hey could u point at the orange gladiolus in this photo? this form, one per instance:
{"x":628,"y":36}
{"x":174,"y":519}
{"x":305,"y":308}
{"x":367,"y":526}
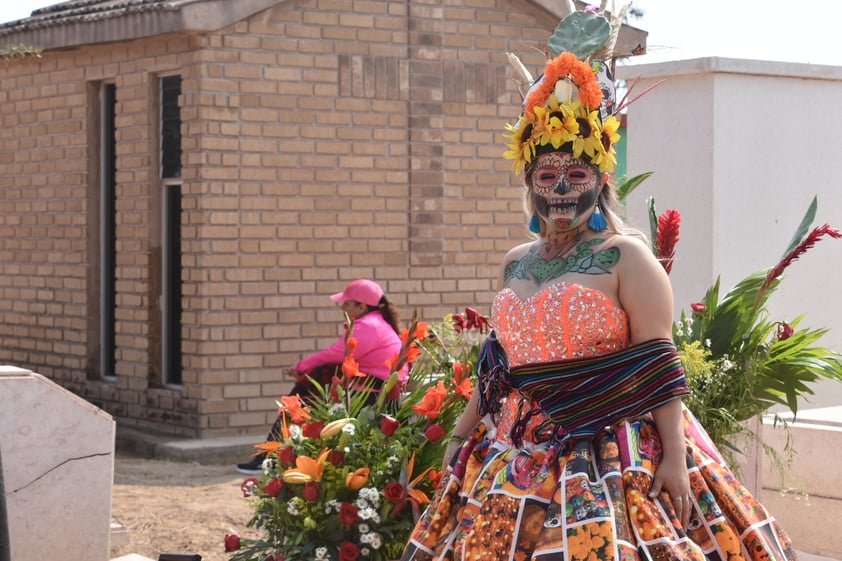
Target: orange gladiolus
{"x":431,"y":403}
{"x":421,"y":330}
{"x":357,"y":480}
{"x":351,"y":367}
{"x":293,"y":405}
{"x":350,"y":346}
{"x":461,"y":380}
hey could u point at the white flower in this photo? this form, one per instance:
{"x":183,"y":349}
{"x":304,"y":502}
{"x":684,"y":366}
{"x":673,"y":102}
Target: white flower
{"x":376,"y":541}
{"x":365,"y":537}
{"x":368,"y":514}
{"x":678,"y":331}
{"x":321,"y":553}
{"x":707,"y":343}
{"x":336,"y":408}
{"x":293,"y":506}
{"x":727,"y":365}
{"x":295,"y":432}
{"x":363,"y":528}
{"x":365,"y":552}
{"x":350,"y":429}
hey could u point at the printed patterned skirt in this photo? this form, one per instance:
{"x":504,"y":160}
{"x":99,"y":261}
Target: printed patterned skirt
{"x":587,"y":501}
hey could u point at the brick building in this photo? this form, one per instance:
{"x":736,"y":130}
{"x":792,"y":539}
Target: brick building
{"x":185,"y":181}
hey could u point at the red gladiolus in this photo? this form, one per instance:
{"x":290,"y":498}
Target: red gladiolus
{"x":287,"y":456}
{"x":388,"y":425}
{"x":311,"y":491}
{"x":248,"y":487}
{"x":668,"y":227}
{"x":273,"y":488}
{"x":434,"y":432}
{"x":394,"y":492}
{"x":349,"y":514}
{"x":313,"y":430}
{"x":336,"y":457}
{"x":785,"y":331}
{"x":232,"y":542}
{"x":349,"y":551}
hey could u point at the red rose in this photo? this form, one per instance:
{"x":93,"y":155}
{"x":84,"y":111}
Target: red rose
{"x":273,"y":488}
{"x":394,"y":491}
{"x":313,"y":430}
{"x":248,"y":487}
{"x":287,"y":456}
{"x":336,"y":457}
{"x":698,"y":307}
{"x":349,"y":551}
{"x":395,"y":392}
{"x":434,"y":432}
{"x":388,"y":425}
{"x":232,"y":542}
{"x":349,"y":514}
{"x":311,"y":491}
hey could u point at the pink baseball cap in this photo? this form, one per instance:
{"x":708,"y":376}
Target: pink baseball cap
{"x":362,"y":290}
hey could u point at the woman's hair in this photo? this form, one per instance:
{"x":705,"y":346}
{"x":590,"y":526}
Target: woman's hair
{"x":609,"y":204}
{"x":390,"y":313}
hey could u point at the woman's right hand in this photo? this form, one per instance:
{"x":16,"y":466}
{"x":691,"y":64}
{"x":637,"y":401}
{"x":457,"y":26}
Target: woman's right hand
{"x":291,"y":371}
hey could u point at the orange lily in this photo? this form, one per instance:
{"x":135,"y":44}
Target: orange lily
{"x":357,"y":479}
{"x":307,"y":469}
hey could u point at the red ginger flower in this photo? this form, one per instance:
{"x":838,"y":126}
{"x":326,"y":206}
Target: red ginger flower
{"x":812,"y":238}
{"x":668,"y":227}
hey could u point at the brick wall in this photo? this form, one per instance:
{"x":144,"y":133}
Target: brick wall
{"x":323,"y":141}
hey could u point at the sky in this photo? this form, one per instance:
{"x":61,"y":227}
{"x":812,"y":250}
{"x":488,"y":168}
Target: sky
{"x":775,"y":30}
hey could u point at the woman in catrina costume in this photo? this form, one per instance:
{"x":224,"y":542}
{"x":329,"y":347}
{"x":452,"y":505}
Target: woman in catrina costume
{"x":576,"y":445}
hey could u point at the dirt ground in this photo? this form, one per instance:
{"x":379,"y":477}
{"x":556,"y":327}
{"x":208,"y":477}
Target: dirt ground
{"x":177,"y":507}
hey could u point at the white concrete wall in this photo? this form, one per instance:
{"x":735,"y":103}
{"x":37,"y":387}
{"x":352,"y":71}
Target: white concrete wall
{"x":740,"y":148}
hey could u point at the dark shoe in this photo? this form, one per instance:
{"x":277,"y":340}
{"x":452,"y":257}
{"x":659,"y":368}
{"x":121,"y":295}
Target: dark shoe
{"x":254,"y":467}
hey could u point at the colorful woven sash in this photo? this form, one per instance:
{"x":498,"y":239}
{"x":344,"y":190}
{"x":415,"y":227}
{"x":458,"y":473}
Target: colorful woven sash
{"x":582,"y":396}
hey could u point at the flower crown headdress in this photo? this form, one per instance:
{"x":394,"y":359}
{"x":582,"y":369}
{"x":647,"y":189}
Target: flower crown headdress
{"x":571,"y":106}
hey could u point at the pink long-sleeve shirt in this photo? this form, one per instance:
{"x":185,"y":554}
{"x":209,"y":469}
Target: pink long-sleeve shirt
{"x":376,"y":343}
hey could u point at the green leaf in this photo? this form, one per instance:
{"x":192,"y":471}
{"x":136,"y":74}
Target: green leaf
{"x":653,"y":224}
{"x":625,"y":188}
{"x":804,"y":227}
{"x":580,"y":33}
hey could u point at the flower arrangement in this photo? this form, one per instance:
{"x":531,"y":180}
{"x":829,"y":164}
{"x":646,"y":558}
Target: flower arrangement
{"x":739,"y":361}
{"x":348,"y":477}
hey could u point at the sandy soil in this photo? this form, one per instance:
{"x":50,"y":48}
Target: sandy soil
{"x":177,"y":507}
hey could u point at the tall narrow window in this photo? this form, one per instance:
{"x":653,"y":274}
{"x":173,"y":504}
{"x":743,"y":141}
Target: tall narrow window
{"x":170,"y":142}
{"x":107,"y":229}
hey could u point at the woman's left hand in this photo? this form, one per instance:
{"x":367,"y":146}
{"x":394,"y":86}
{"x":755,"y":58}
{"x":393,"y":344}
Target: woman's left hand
{"x":671,"y":476}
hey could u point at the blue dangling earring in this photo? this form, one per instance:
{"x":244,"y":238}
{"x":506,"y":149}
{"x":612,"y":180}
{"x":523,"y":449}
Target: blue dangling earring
{"x":597,"y":221}
{"x":535,"y":224}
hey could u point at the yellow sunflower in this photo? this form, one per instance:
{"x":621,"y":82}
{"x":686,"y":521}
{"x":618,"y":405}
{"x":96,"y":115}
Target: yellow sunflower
{"x":521,"y":147}
{"x":557,"y":130}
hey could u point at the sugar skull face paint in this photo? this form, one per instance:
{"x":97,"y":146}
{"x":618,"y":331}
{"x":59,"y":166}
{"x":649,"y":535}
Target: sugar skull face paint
{"x":564,"y":189}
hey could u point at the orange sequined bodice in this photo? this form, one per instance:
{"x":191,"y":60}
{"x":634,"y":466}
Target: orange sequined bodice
{"x":560,"y":322}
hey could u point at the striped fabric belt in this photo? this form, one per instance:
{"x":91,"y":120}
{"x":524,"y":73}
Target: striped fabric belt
{"x":579,"y":397}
